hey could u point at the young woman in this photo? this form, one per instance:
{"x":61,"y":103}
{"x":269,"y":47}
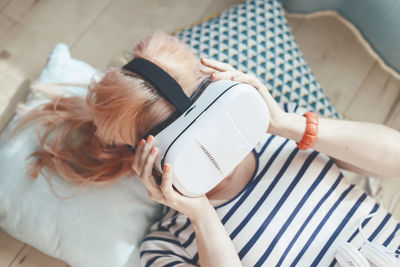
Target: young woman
{"x":280,"y":206}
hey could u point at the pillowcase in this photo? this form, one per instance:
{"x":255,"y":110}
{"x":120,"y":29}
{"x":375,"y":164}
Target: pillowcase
{"x":255,"y":37}
{"x":102,"y":226}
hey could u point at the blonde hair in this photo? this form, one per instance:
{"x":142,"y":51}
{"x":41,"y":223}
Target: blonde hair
{"x":89,"y":135}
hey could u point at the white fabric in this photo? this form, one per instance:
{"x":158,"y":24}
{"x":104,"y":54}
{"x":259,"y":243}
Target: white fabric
{"x":100,"y":227}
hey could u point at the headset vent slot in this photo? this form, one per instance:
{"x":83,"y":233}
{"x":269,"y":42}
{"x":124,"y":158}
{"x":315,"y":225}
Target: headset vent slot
{"x":209,"y":156}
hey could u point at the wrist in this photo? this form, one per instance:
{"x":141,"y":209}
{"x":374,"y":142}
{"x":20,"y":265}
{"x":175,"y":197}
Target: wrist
{"x":277,"y":122}
{"x":290,"y":125}
{"x":204,"y":215}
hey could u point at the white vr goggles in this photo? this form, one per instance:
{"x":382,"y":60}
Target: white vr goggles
{"x":210,"y":133}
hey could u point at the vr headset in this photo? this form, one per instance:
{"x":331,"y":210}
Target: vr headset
{"x":210,"y":133}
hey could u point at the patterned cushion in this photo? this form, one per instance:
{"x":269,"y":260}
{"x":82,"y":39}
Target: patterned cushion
{"x":254,"y":36}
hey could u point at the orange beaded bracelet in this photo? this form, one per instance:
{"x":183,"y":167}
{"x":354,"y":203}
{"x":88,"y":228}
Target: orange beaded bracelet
{"x":310,"y":135}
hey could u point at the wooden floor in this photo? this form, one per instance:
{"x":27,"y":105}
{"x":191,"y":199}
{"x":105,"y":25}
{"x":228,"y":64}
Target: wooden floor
{"x":98,"y":30}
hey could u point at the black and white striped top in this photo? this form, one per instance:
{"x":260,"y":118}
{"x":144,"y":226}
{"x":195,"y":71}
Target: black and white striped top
{"x":294,"y":211}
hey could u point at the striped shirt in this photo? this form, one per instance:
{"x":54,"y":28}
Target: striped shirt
{"x":294,"y":211}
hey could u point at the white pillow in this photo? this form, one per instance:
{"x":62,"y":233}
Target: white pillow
{"x":102,"y":226}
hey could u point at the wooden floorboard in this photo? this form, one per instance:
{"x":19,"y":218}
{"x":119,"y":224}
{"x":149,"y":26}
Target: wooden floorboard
{"x":124,"y":23}
{"x":7,"y":24}
{"x":393,"y":119}
{"x":3,"y":4}
{"x":338,"y":60}
{"x":374,"y":98}
{"x":20,"y":9}
{"x":19,"y":12}
{"x":294,"y":22}
{"x":10,"y":247}
{"x":29,"y":44}
{"x":31,"y":257}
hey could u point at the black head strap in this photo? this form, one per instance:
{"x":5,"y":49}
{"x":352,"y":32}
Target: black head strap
{"x":161,"y":80}
{"x":164,"y":124}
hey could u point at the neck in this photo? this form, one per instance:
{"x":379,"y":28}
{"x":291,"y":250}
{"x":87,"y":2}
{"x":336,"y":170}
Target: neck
{"x":232,"y":184}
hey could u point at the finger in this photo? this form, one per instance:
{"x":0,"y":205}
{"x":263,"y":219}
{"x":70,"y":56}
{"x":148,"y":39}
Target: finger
{"x":226,"y":75}
{"x":146,"y":149}
{"x":249,"y":79}
{"x":147,"y":177}
{"x":146,"y":174}
{"x":261,"y":88}
{"x":139,"y":149}
{"x":207,"y":70}
{"x":217,"y":65}
{"x":166,"y":185}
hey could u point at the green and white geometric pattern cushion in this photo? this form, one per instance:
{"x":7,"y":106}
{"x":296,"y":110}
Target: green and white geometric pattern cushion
{"x":254,"y":36}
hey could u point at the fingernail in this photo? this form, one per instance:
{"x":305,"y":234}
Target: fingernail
{"x":141,"y":142}
{"x":149,"y":138}
{"x":166,"y":168}
{"x":153,"y":150}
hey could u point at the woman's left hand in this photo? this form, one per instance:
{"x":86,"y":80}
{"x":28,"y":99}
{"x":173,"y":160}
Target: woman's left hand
{"x":143,"y":163}
{"x":219,"y":71}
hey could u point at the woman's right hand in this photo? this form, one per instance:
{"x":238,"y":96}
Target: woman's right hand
{"x":219,"y":70}
{"x":143,"y":162}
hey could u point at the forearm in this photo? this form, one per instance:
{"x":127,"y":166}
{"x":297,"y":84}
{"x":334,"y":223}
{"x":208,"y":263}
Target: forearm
{"x":213,"y":242}
{"x":371,"y":147}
